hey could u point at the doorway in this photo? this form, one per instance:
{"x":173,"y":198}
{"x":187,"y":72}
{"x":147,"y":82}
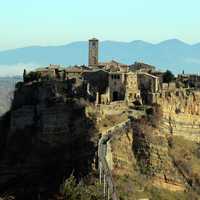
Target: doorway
{"x":115,"y":96}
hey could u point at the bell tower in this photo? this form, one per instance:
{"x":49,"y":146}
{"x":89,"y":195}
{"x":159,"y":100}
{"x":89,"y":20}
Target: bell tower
{"x":93,"y":52}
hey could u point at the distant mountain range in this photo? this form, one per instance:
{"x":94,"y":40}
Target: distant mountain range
{"x":170,"y":54}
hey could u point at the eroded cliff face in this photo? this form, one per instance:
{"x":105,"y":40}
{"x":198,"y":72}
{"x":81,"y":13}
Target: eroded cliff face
{"x":51,"y":132}
{"x":159,"y":158}
{"x":166,"y":144}
{"x":181,"y":125}
{"x":136,"y":179}
{"x":151,"y":149}
{"x":148,"y":164}
{"x":48,"y":136}
{"x":181,"y":114}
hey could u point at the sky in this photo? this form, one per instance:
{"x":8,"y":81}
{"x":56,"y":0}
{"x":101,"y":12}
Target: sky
{"x":56,"y":22}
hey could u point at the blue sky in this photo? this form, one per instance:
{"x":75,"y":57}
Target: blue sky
{"x":55,"y":22}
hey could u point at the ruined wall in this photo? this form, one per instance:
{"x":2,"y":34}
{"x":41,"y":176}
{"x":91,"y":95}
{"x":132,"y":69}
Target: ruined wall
{"x":148,"y":82}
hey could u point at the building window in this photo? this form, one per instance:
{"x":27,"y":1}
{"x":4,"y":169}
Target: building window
{"x":115,"y":76}
{"x":115,"y":96}
{"x":93,"y":44}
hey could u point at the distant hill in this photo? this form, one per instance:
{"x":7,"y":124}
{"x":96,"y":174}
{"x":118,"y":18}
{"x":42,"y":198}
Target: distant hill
{"x":170,"y":54}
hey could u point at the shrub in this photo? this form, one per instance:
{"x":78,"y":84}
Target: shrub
{"x":168,"y":77}
{"x":32,"y":76}
{"x":71,"y":190}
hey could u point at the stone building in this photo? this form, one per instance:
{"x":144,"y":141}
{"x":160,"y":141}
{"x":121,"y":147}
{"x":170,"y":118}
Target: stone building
{"x":93,"y":62}
{"x":108,"y":87}
{"x":142,"y":67}
{"x":148,"y":82}
{"x":149,"y":87}
{"x":93,"y":52}
{"x":113,"y":66}
{"x":111,"y":81}
{"x":132,"y":88}
{"x":97,"y":84}
{"x":117,"y":86}
{"x":52,"y":71}
{"x":73,"y":72}
{"x":121,"y":84}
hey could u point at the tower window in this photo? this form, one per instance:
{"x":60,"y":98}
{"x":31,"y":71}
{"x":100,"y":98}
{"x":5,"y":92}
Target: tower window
{"x":93,"y":44}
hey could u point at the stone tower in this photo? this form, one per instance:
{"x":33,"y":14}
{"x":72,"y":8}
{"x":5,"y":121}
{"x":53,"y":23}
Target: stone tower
{"x":93,"y":52}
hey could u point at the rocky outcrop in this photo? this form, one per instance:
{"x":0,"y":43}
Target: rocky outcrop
{"x":181,"y":111}
{"x":186,"y":101}
{"x":165,"y":147}
{"x":152,"y":153}
{"x":48,"y":137}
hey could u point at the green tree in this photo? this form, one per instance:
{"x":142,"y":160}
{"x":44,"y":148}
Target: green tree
{"x":168,"y":77}
{"x":32,"y":76}
{"x":80,"y":191}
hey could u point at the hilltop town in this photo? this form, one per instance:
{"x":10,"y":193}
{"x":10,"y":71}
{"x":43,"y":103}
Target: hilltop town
{"x":123,"y":131}
{"x":106,"y":82}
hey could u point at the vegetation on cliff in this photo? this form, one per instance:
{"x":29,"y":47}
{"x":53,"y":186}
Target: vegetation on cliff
{"x":71,"y":190}
{"x":186,"y":157}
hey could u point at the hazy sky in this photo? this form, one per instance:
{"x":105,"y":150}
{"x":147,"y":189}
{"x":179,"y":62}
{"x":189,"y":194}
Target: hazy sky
{"x":55,"y":22}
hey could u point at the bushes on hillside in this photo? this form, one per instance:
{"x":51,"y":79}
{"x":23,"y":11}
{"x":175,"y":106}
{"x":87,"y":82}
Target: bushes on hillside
{"x":32,"y":76}
{"x":71,"y":190}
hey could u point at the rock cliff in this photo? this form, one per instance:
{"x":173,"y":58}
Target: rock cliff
{"x":51,"y":131}
{"x":159,"y":158}
{"x":46,"y":137}
{"x":181,"y":111}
